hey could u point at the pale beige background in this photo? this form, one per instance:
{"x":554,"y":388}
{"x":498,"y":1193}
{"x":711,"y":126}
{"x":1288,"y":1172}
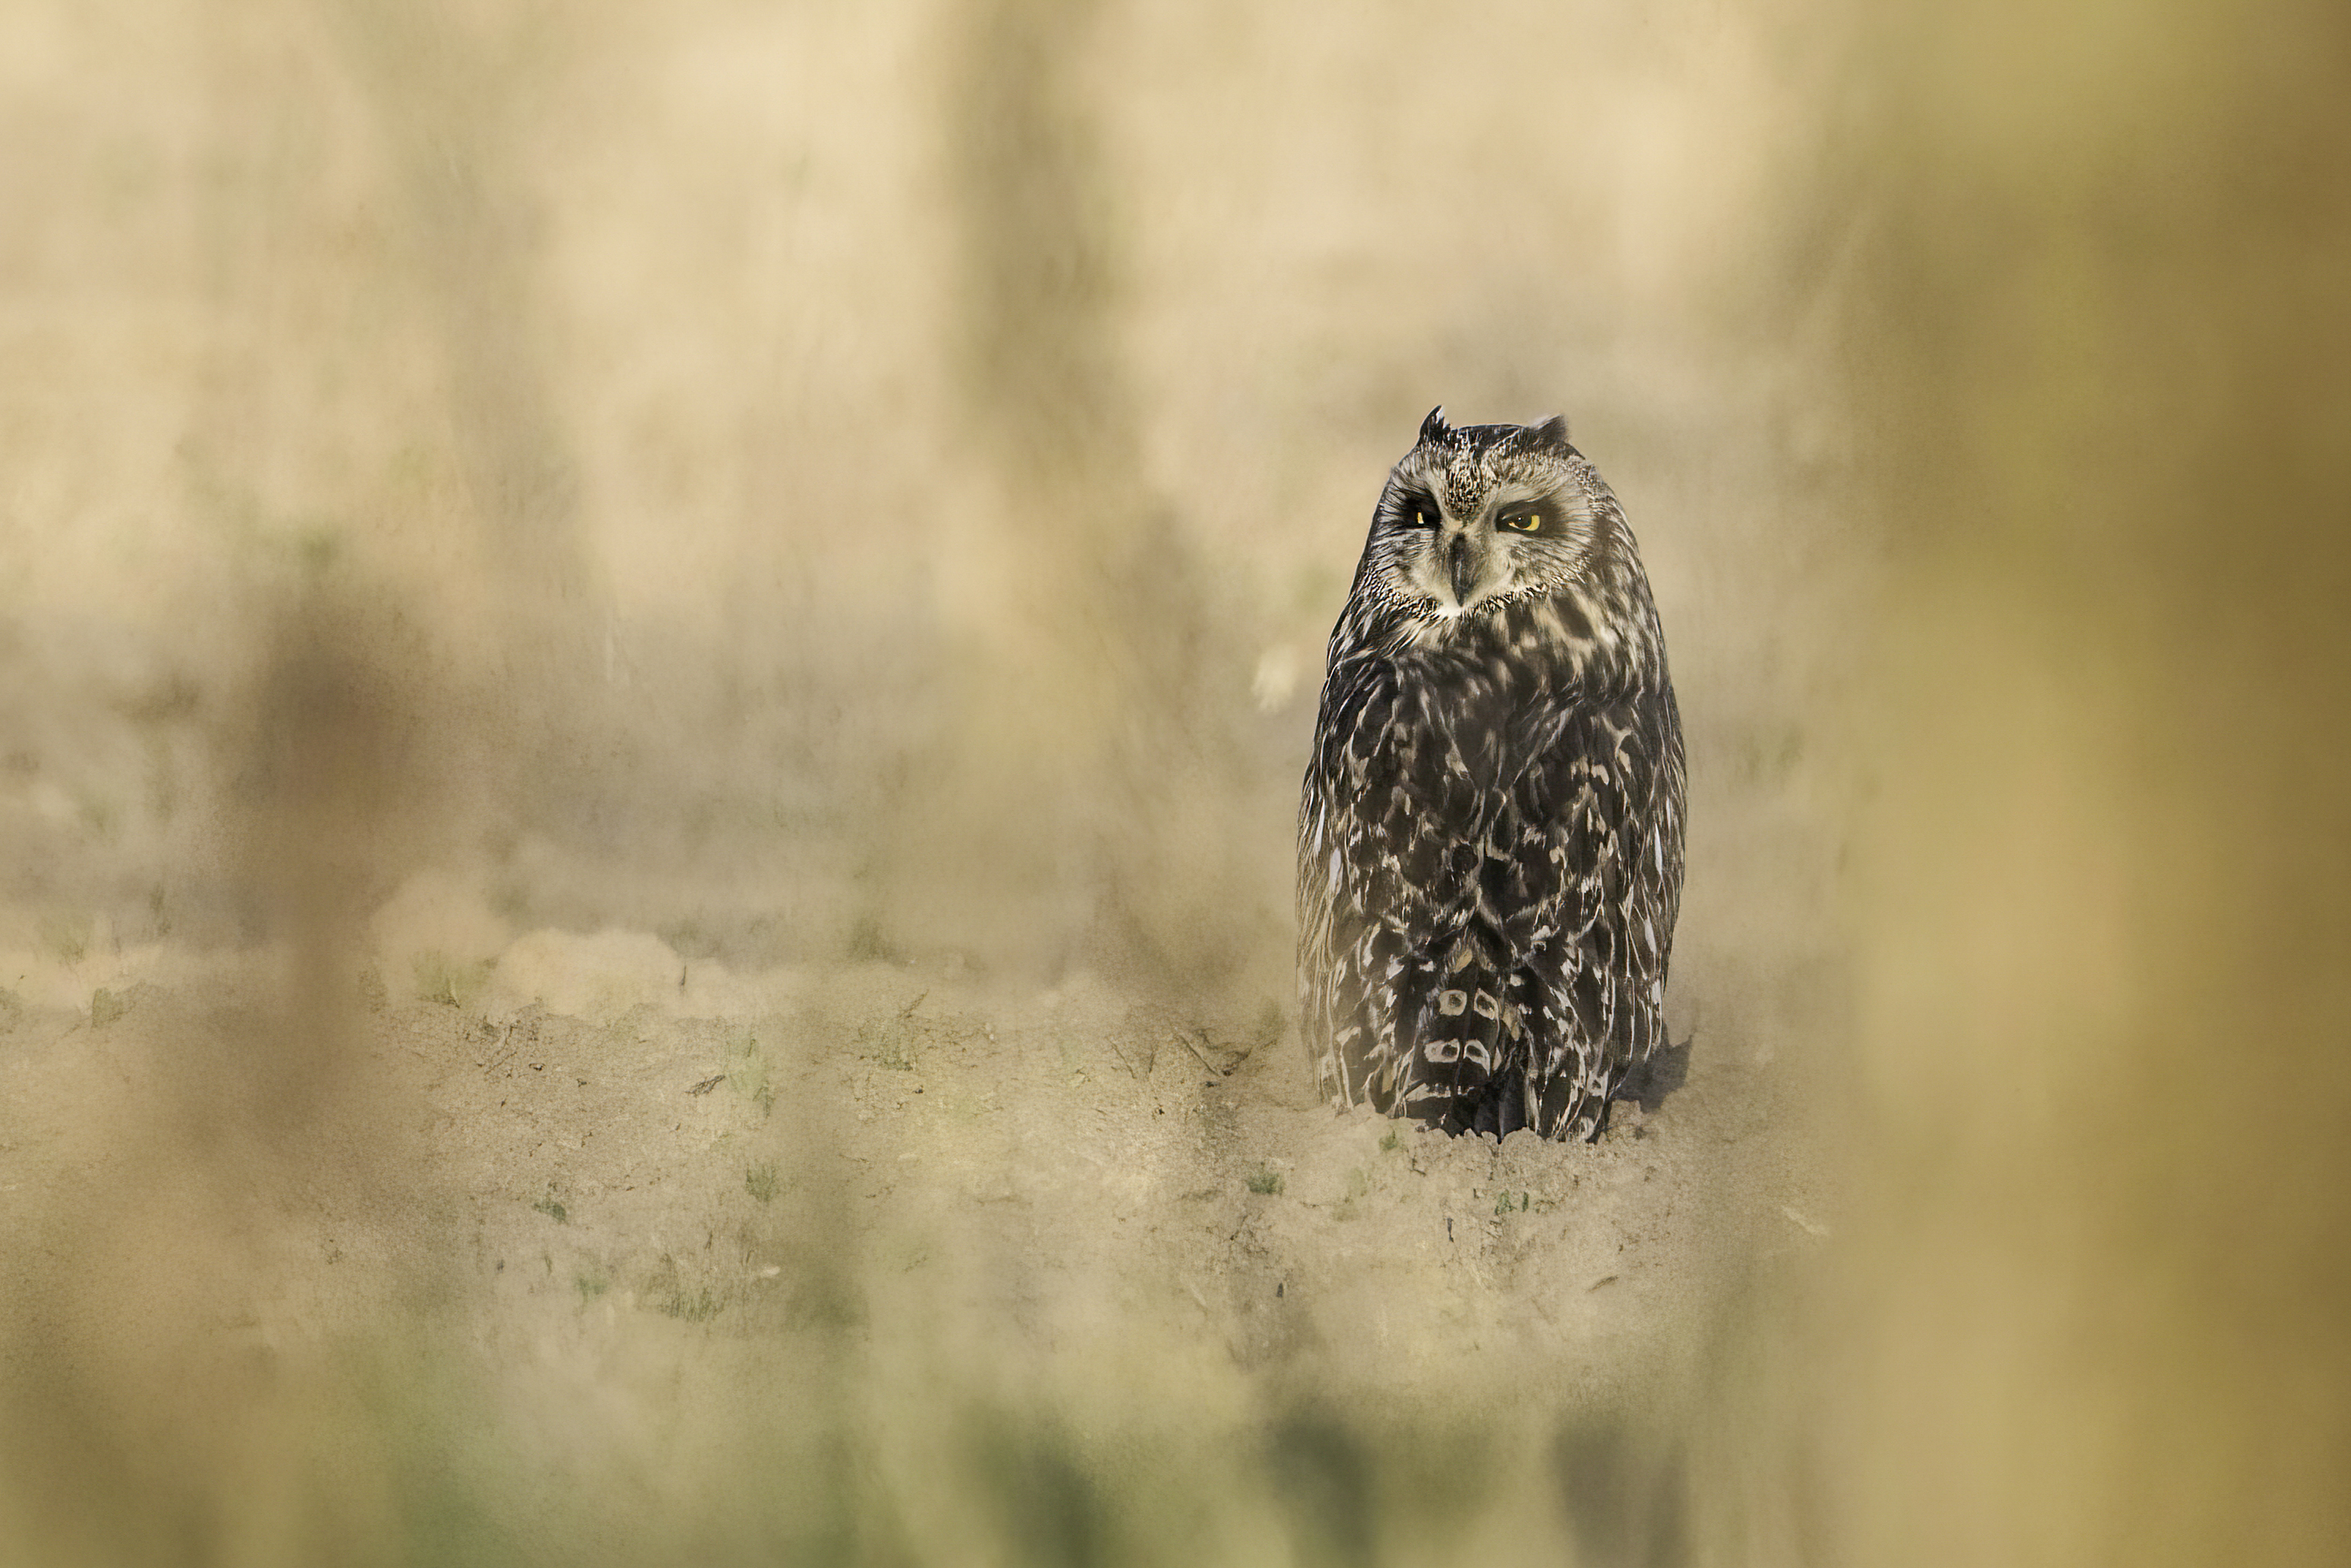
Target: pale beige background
{"x":652,"y":666}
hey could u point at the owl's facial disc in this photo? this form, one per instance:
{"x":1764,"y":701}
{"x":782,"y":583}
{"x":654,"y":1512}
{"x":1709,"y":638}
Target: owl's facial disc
{"x":1454,"y":562}
{"x":1506,"y":538}
{"x":1479,"y":518}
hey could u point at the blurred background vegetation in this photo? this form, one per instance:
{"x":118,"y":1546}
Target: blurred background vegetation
{"x":826,"y":483}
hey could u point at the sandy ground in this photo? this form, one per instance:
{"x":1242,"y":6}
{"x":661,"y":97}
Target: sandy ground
{"x":702,"y":1262}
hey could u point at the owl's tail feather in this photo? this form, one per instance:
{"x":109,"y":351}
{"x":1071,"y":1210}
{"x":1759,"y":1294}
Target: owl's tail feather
{"x":1572,"y":1085}
{"x":1465,"y":1068}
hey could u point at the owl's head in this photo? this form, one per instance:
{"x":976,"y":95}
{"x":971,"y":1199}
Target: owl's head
{"x":1482,"y":516}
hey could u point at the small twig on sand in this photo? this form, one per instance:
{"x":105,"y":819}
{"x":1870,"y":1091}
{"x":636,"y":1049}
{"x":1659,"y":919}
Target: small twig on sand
{"x":1137,"y":1074}
{"x":1186,"y":1041}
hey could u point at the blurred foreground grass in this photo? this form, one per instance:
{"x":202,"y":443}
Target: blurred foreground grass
{"x":856,"y":495}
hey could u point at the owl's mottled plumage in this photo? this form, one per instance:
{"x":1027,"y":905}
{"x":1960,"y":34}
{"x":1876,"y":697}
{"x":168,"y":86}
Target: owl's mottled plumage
{"x":1489,"y":847}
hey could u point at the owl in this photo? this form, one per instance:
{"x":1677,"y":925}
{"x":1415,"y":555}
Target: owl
{"x":1489,"y":844}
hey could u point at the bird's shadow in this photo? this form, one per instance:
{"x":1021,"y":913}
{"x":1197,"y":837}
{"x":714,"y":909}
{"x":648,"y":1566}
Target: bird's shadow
{"x":1665,"y":1070}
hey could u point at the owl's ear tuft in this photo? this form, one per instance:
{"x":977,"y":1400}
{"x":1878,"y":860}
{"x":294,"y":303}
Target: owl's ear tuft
{"x":1551,"y":431}
{"x":1433,"y":430}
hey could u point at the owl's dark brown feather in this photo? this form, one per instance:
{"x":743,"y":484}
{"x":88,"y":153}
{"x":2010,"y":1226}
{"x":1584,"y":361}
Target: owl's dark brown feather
{"x":1490,"y":837}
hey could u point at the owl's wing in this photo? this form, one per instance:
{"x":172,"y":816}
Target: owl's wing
{"x":1387,"y":878}
{"x":1591,"y":884}
{"x":1404,"y":785}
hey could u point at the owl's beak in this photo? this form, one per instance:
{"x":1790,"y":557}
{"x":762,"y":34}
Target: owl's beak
{"x":1462,"y":565}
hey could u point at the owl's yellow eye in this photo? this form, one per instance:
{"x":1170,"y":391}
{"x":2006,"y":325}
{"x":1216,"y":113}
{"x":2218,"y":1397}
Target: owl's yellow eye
{"x":1521,"y":520}
{"x":1420,"y":512}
